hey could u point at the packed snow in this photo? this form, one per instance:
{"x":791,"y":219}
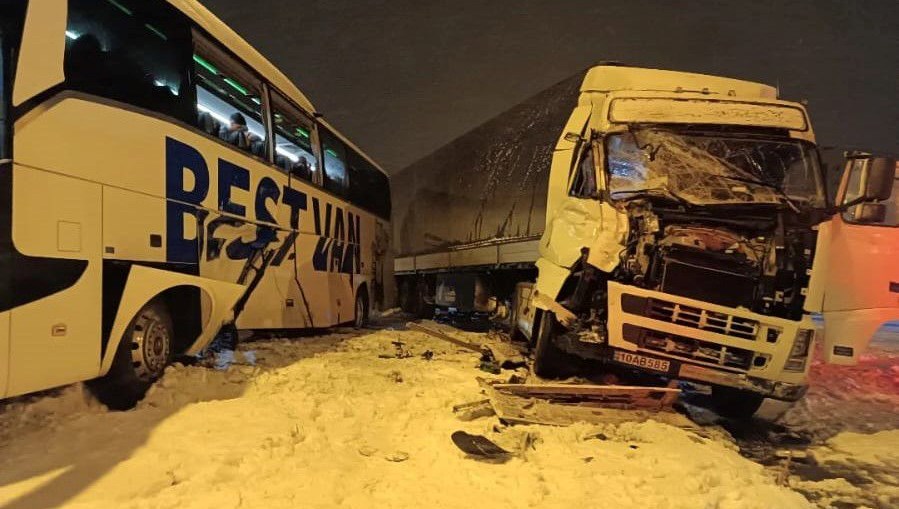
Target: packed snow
{"x":354,"y":420}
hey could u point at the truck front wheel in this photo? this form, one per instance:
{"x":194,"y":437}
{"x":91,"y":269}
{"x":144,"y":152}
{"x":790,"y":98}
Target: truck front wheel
{"x":735,"y":403}
{"x":549,"y":360}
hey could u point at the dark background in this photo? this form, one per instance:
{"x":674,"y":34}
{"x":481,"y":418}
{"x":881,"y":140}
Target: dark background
{"x":403,"y":77}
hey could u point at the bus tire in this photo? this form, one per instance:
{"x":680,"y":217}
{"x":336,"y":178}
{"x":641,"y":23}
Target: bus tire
{"x":735,"y":403}
{"x":360,"y":315}
{"x":549,"y":360}
{"x":140,"y":359}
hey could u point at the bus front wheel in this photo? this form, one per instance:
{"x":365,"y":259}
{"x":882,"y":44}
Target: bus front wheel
{"x":140,"y":359}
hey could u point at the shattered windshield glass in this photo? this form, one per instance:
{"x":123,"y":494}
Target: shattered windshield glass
{"x":703,"y":169}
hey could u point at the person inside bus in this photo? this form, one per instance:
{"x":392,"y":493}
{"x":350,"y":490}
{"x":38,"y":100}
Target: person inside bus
{"x":237,"y":133}
{"x":302,"y":169}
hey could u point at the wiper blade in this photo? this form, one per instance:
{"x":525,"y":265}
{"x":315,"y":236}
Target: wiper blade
{"x":780,"y":192}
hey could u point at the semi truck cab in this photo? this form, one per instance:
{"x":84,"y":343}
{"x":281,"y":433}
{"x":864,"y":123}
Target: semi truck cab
{"x":688,"y":234}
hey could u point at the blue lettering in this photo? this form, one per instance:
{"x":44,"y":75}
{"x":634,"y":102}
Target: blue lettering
{"x":267,"y":190}
{"x":296,"y":200}
{"x":180,"y":157}
{"x":338,"y":246}
{"x":231,"y":175}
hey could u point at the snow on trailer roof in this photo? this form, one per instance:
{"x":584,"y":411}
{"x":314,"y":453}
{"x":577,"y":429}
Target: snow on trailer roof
{"x":608,"y":78}
{"x":246,"y":52}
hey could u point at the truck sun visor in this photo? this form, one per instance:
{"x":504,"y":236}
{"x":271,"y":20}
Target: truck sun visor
{"x":704,"y":111}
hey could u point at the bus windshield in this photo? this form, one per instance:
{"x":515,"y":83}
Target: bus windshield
{"x":713,"y":169}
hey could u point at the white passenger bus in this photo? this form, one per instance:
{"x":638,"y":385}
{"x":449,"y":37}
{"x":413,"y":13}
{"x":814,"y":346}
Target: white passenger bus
{"x":160,"y":180}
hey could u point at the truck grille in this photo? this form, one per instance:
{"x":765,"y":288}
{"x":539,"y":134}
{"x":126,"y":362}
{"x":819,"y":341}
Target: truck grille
{"x":690,"y":349}
{"x":702,"y":319}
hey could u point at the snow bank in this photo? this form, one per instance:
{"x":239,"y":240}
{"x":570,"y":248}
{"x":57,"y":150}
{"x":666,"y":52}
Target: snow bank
{"x":340,"y":421}
{"x":861,"y":470}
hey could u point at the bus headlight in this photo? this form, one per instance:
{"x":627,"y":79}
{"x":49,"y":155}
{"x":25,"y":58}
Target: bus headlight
{"x":799,"y":353}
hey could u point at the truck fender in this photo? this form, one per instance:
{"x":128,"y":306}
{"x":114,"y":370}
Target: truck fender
{"x":549,"y":283}
{"x":145,"y":283}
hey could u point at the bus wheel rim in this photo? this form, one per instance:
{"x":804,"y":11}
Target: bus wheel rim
{"x":150,"y":347}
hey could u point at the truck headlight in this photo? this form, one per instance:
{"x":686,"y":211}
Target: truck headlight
{"x":801,"y":346}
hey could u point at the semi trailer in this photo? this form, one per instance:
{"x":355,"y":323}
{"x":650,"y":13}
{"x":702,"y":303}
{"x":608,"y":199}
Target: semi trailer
{"x":686,"y":232}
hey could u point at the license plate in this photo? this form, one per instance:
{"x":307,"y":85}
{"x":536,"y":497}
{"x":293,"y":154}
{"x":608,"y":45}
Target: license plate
{"x":641,"y":361}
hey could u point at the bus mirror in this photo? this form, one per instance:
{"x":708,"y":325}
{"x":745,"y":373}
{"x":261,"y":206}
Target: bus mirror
{"x":881,"y":175}
{"x":870,"y":213}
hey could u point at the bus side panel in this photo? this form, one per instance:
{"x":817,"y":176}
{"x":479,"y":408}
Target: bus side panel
{"x":133,"y":226}
{"x":56,"y":339}
{"x":277,"y":302}
{"x":314,"y":284}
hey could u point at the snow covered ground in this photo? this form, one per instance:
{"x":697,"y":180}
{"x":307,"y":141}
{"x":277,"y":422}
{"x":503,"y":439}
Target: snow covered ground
{"x":330,"y":422}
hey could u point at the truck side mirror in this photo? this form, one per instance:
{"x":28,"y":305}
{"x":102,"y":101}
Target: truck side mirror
{"x":870,"y":213}
{"x":881,"y":174}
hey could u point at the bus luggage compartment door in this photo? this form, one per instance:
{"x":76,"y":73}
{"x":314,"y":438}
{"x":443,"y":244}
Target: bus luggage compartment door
{"x":56,"y":227}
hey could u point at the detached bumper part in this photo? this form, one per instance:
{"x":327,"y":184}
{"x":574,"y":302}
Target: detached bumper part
{"x":772,"y":389}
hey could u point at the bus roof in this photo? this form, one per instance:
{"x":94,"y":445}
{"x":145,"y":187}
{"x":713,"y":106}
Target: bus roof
{"x":240,"y":47}
{"x":608,"y":78}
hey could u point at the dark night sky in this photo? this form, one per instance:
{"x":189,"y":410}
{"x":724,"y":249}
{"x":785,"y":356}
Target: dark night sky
{"x":403,"y":77}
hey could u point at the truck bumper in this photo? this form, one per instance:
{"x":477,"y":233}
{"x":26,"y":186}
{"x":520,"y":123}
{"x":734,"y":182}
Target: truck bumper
{"x":683,"y":338}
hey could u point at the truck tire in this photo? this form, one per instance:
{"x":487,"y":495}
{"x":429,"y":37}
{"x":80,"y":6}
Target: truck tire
{"x":549,"y":360}
{"x":423,"y":309}
{"x":140,"y":359}
{"x":735,"y":403}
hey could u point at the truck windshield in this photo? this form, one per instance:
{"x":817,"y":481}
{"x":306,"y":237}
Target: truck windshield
{"x":713,"y":169}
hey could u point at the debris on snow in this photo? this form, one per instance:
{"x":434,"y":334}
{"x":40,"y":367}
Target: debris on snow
{"x":474,"y":410}
{"x":479,"y":446}
{"x":318,"y":422}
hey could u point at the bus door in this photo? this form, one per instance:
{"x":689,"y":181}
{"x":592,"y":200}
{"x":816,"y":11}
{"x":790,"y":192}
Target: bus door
{"x":51,"y":231}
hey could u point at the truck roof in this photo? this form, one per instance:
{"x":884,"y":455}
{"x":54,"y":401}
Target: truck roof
{"x":609,"y":78}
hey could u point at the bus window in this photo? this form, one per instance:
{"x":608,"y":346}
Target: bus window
{"x":132,"y":51}
{"x":293,"y":139}
{"x":369,"y":187}
{"x":334,"y":154}
{"x":229,"y":100}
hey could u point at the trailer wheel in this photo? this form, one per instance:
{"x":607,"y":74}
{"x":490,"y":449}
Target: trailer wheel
{"x":735,"y":403}
{"x":360,"y":317}
{"x":549,"y":360}
{"x":140,"y":359}
{"x":423,"y":309}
